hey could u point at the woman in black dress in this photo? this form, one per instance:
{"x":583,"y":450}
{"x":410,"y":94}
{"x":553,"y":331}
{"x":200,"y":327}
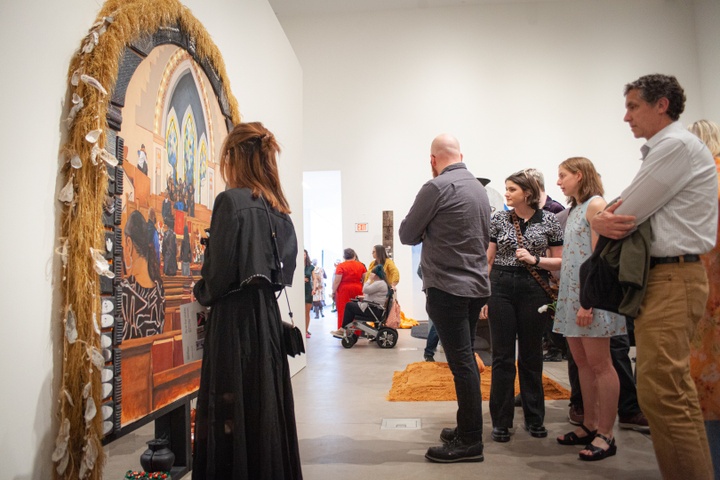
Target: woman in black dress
{"x":245,"y":421}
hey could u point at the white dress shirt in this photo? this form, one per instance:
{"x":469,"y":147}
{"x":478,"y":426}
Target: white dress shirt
{"x":677,"y":189}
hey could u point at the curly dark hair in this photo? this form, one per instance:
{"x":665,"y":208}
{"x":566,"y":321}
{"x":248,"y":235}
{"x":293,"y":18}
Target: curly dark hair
{"x":656,"y":86}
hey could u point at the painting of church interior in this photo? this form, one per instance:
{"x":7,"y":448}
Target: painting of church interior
{"x":173,"y":128}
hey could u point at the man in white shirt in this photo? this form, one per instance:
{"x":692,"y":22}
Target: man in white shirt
{"x":676,"y":190}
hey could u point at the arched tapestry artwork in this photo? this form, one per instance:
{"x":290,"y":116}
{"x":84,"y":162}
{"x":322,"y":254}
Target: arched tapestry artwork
{"x":150,"y":105}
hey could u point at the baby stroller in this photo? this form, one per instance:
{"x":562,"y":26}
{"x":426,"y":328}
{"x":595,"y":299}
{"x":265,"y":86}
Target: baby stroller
{"x":372,"y":326}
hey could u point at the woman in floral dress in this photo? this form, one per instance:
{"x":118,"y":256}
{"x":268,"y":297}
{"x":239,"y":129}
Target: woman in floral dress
{"x":588,"y":331}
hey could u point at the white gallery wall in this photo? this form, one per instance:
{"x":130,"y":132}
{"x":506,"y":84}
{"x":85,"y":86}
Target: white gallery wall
{"x":40,"y":37}
{"x":520,"y":85}
{"x":707,"y":16}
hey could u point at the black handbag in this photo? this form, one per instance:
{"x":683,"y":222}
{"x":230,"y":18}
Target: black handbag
{"x":292,"y":336}
{"x":599,"y":284}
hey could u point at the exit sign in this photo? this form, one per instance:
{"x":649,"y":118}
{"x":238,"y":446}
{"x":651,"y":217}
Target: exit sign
{"x":361,"y":227}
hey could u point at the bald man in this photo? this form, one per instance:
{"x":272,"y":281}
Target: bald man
{"x":451,"y":217}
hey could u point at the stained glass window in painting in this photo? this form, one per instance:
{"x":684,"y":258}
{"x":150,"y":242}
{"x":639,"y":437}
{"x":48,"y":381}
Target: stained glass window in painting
{"x":171,"y":140}
{"x":189,"y":143}
{"x":202,"y":166}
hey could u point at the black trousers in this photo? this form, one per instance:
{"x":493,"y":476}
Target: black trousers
{"x":455,"y":319}
{"x":353,"y":310}
{"x":513,"y":315}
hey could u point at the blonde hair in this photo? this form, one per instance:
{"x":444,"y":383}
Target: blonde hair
{"x":709,"y":133}
{"x":590,"y":183}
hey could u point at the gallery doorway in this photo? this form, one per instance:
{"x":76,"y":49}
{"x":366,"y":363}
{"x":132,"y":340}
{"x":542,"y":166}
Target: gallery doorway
{"x":322,"y":213}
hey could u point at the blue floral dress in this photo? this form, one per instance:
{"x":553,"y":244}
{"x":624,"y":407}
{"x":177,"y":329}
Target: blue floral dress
{"x":576,"y":249}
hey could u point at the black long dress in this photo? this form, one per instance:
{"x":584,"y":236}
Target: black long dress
{"x":245,"y":420}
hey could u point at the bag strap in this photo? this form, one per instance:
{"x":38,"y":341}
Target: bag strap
{"x":532,"y":271}
{"x":278,"y":263}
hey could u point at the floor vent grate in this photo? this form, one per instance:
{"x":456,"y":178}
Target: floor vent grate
{"x":400,"y":424}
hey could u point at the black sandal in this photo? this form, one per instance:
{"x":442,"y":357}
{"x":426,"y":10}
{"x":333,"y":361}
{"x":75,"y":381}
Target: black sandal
{"x":597,"y":452}
{"x":572,"y":438}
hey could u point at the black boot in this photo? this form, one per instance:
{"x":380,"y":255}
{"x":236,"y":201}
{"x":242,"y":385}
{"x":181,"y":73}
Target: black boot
{"x":456,"y":451}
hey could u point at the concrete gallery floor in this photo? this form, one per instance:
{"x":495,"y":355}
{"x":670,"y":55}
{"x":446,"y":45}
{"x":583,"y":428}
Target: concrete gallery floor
{"x":342,"y":420}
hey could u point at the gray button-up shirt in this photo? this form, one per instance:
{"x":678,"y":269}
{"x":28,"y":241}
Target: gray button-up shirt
{"x":451,"y":217}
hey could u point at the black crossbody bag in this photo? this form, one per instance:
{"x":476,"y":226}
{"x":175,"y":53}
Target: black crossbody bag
{"x":292,"y":336}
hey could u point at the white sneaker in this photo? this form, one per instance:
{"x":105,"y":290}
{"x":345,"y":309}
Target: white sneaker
{"x":337,"y":333}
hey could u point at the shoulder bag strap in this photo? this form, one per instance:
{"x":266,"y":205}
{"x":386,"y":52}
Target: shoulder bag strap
{"x":532,"y":271}
{"x":278,"y":263}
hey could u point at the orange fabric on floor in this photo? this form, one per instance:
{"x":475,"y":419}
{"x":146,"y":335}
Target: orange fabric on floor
{"x":433,"y":382}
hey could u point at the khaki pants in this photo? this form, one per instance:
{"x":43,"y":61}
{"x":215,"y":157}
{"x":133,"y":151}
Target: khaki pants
{"x":674,"y":303}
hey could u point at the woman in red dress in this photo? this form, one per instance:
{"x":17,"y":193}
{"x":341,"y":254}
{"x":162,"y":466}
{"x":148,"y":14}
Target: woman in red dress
{"x":348,"y":281}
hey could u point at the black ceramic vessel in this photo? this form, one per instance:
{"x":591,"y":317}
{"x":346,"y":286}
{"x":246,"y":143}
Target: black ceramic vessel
{"x":158,"y":457}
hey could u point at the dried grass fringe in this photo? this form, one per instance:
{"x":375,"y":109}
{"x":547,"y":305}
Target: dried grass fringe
{"x":82,"y":221}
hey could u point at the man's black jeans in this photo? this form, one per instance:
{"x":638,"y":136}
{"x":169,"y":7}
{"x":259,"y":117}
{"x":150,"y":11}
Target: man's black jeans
{"x":455,"y":319}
